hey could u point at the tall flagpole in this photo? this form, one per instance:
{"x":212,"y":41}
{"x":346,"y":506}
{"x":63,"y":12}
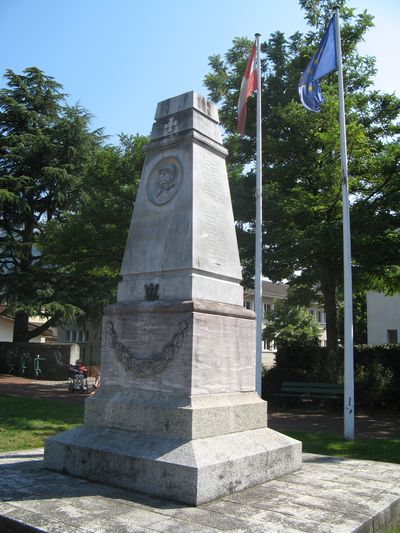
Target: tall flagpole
{"x":258,"y":266}
{"x":348,"y":291}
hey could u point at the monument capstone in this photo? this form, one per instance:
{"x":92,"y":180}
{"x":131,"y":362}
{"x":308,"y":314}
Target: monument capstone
{"x":177,"y":415}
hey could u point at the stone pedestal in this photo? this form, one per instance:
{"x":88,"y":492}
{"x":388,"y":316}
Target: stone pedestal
{"x":177,"y":414}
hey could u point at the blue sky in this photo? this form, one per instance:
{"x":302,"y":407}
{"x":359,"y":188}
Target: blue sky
{"x":118,"y":58}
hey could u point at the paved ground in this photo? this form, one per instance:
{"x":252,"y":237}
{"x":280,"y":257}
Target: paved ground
{"x":385,"y":424}
{"x":329,"y":495}
{"x":374,"y":425}
{"x":56,"y":390}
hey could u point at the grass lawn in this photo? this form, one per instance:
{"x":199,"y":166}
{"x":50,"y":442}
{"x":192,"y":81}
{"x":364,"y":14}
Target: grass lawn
{"x":387,"y":450}
{"x":26,"y":422}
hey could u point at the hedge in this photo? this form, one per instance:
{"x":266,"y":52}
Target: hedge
{"x":377,"y":372}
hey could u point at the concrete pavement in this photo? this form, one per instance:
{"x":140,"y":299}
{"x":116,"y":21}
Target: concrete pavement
{"x":328,"y":495}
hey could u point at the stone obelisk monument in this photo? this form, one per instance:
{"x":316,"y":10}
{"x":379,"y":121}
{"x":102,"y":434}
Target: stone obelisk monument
{"x":177,"y":414}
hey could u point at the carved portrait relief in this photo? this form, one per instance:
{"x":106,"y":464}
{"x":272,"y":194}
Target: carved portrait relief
{"x":164,"y":181}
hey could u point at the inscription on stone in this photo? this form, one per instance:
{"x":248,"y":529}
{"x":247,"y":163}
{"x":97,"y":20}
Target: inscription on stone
{"x":214,"y":197}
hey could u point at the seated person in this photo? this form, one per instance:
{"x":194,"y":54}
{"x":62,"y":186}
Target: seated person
{"x":82,"y":368}
{"x":78,"y":372}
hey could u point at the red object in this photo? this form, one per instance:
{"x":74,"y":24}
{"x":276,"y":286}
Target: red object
{"x":82,"y":369}
{"x":249,"y":84}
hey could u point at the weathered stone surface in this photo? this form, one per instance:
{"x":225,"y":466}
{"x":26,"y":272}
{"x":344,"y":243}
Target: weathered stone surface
{"x":320,"y":498}
{"x":194,"y":471}
{"x":188,"y":348}
{"x":177,"y":414}
{"x":182,"y":236}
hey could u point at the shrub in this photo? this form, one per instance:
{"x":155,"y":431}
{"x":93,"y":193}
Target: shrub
{"x":374,"y":384}
{"x":291,"y":326}
{"x":377,"y":371}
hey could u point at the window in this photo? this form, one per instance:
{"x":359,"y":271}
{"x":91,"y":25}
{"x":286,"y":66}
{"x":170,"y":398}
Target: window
{"x":392,"y":337}
{"x":247,"y":305}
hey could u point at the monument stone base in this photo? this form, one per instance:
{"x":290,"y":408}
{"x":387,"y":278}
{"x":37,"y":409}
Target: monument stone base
{"x":189,"y":471}
{"x":195,"y":436}
{"x":177,"y":415}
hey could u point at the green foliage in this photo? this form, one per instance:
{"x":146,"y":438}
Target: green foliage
{"x":387,"y":450}
{"x":96,"y":231}
{"x":374,"y":384}
{"x":291,"y":326}
{"x":377,"y":374}
{"x":44,"y":146}
{"x":302,"y":226}
{"x":309,"y":363}
{"x":26,"y":422}
{"x":65,"y":205}
{"x":376,"y":371}
{"x":360,"y":326}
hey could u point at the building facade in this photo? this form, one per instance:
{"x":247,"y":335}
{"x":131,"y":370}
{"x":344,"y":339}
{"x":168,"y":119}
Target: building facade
{"x":383,"y":318}
{"x":270,"y":293}
{"x":86,"y":334}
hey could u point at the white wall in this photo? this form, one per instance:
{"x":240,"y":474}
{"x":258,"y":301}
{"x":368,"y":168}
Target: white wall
{"x":383,"y":313}
{"x":7,"y":330}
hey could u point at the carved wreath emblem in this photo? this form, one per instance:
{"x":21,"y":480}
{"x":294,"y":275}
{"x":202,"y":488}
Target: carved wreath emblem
{"x":142,"y":366}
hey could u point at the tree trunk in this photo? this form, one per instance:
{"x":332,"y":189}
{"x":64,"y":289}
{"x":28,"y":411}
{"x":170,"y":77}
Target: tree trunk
{"x":21,"y":331}
{"x":328,"y":288}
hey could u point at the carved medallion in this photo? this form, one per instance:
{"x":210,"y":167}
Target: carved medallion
{"x":141,"y":365}
{"x":164,"y":181}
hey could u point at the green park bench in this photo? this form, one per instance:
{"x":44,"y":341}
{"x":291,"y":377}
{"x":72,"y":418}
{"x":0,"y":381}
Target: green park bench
{"x":310,"y":391}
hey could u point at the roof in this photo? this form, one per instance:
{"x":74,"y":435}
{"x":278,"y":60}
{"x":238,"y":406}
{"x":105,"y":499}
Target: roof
{"x":271,"y":290}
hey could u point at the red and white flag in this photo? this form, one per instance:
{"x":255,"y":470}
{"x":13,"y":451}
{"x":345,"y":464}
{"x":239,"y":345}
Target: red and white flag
{"x":249,"y":84}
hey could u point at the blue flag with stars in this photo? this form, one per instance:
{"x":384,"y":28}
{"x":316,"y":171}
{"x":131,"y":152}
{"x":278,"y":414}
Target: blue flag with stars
{"x":322,"y":62}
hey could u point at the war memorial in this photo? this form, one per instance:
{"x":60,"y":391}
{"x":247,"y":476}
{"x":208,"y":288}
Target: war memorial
{"x":177,"y":415}
{"x":176,"y":439}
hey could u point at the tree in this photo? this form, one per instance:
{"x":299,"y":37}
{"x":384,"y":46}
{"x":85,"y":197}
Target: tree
{"x":302,"y":226}
{"x":65,"y":203}
{"x":96,"y":231}
{"x":43,"y":147}
{"x":291,"y":325}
